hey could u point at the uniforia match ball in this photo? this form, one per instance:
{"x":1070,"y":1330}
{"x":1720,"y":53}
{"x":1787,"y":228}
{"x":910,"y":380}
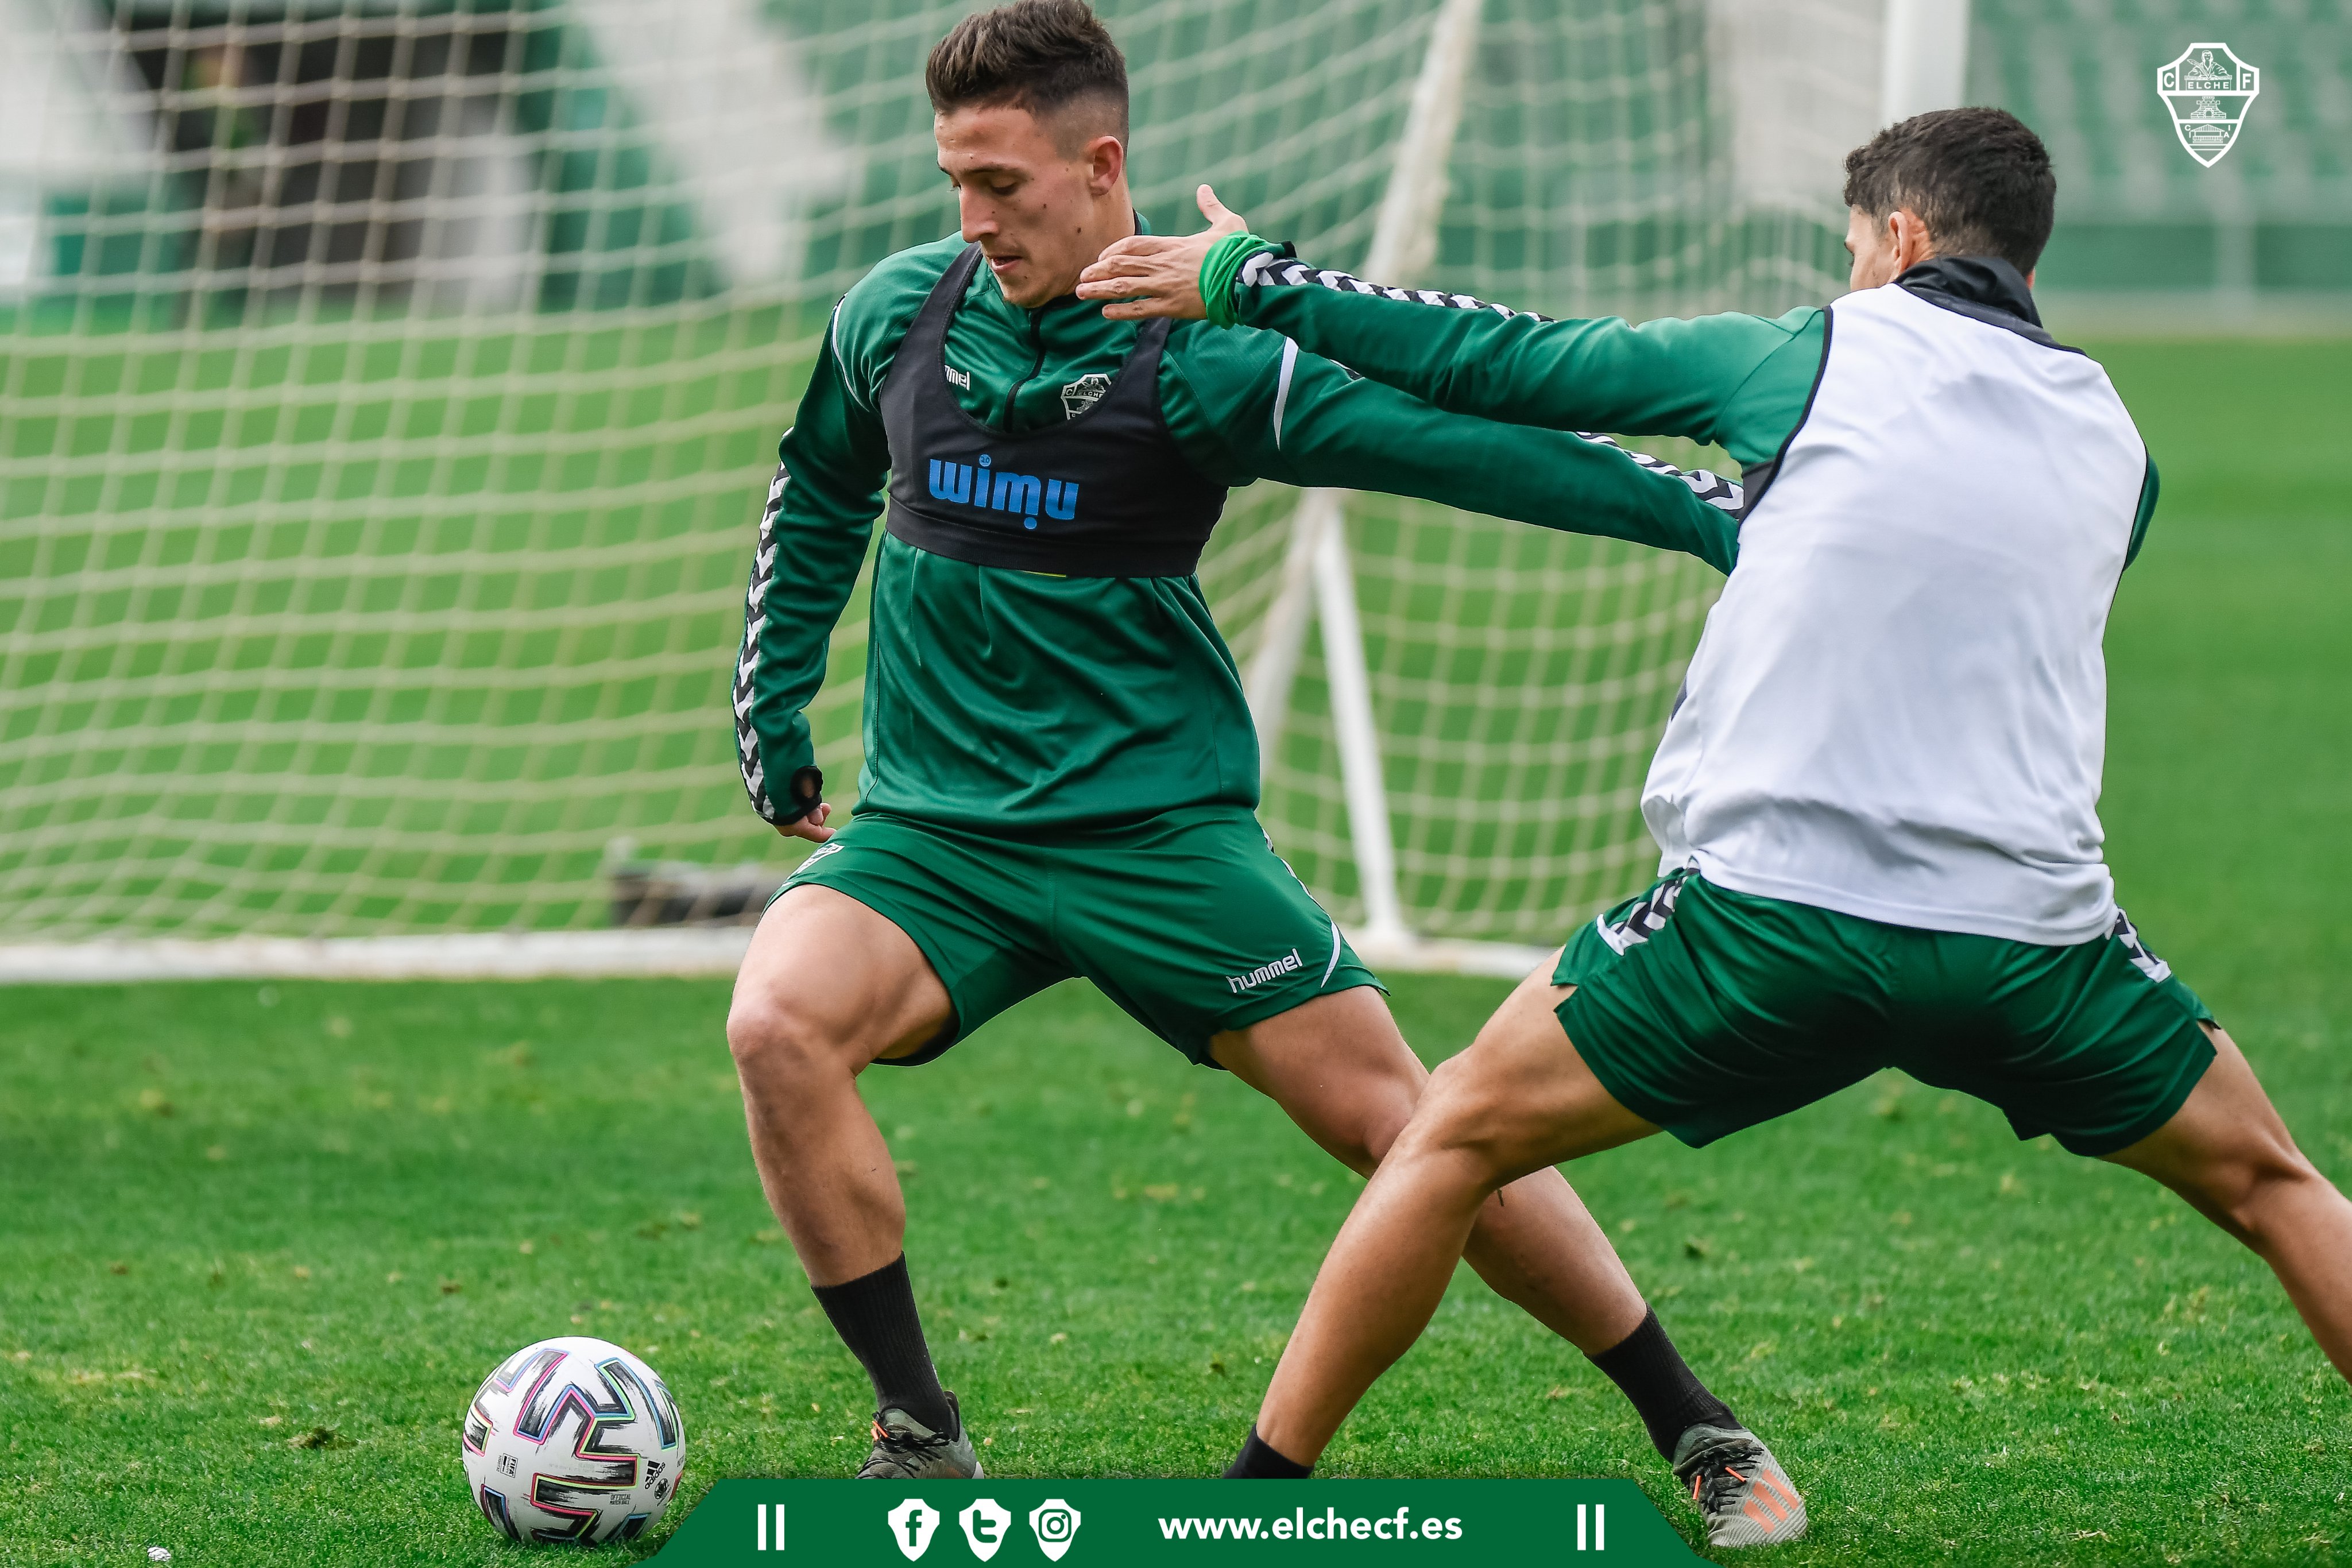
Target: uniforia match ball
{"x":572,"y":1440}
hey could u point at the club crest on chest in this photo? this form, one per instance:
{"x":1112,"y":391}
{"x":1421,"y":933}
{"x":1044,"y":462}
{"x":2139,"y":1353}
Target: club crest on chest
{"x":1083,"y":393}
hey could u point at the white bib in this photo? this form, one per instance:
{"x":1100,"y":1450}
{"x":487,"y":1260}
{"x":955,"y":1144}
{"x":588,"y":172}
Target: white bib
{"x":1899,"y":708}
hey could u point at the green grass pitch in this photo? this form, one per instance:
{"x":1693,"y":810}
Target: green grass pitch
{"x":248,"y":1219}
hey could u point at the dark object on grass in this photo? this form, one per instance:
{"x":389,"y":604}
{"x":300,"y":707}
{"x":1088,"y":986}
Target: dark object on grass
{"x":682,"y":892}
{"x":319,"y":1437}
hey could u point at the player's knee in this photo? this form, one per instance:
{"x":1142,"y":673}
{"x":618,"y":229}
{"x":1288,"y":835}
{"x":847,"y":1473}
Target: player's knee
{"x":754,"y":1036}
{"x":2276,"y":1176}
{"x":1461,"y":1116}
{"x":776,"y":1044}
{"x":1378,"y":1112}
{"x":2242,"y":1188}
{"x":1366,"y":1143}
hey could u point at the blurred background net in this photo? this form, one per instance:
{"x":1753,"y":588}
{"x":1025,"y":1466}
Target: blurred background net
{"x":388,"y":393}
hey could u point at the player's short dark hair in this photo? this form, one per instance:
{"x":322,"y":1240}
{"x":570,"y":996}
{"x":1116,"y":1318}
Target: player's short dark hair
{"x":1979,"y":178}
{"x":1044,"y":56}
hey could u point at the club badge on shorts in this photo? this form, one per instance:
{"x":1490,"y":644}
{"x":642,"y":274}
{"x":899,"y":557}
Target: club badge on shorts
{"x":2208,"y":91}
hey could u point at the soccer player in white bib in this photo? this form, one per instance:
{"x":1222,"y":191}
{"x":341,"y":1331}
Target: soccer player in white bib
{"x":1876,"y":800}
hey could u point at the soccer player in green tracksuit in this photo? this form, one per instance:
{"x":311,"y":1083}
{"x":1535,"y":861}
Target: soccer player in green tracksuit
{"x":1877,"y":796}
{"x":1060,"y":766}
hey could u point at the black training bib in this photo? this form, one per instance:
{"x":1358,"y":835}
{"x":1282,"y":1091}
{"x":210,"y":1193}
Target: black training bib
{"x":1105,"y":495}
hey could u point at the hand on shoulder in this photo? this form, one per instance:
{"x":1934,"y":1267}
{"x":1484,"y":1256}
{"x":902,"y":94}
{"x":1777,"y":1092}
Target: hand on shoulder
{"x":1158,"y":275}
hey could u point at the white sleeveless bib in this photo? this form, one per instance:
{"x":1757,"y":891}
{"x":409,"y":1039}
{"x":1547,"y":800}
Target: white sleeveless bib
{"x":1899,"y":708}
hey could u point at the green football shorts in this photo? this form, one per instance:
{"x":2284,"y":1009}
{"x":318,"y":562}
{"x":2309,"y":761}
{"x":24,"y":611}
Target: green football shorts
{"x":1189,"y":920}
{"x":1706,"y":1010}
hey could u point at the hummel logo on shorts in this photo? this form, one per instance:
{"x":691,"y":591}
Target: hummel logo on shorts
{"x":1645,"y":919}
{"x":1288,"y":964}
{"x":2147,"y":963}
{"x":814,"y":855}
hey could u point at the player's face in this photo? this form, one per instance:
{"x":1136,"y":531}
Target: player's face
{"x":1037,"y":207}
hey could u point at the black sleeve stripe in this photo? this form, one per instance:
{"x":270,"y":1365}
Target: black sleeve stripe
{"x":1717,"y":491}
{"x":1270,"y":268}
{"x":747,"y":658}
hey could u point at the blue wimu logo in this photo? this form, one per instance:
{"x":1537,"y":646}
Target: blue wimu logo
{"x":992,"y":490}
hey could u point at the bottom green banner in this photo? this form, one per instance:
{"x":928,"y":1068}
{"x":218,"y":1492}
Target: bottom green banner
{"x":1080,"y":1523}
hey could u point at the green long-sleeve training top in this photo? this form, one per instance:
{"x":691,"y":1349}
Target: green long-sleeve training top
{"x":1009,"y":701}
{"x":1742,"y":382}
{"x":1738,"y":381}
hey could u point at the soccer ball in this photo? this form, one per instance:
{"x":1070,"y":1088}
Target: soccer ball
{"x":572,"y":1440}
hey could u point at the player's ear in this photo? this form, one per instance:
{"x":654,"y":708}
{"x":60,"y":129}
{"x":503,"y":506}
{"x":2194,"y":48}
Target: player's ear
{"x":1913,"y":244}
{"x":1106,"y":163}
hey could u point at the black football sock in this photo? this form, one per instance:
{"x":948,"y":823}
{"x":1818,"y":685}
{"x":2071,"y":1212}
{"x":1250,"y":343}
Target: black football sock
{"x":874,"y":1316}
{"x":1258,"y":1462}
{"x":1667,"y":1393}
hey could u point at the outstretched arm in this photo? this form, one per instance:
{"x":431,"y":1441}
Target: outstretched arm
{"x":1735,"y":380}
{"x":812,"y":538}
{"x":1311,"y":421}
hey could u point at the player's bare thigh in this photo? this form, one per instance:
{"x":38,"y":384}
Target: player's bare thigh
{"x":1338,"y":1065}
{"x":1521,"y":1098}
{"x":829,"y":979}
{"x":1342,"y":1069}
{"x":2224,"y":1142}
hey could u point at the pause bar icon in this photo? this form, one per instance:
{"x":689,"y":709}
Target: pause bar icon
{"x":779,"y":1545}
{"x":1600,"y":1522}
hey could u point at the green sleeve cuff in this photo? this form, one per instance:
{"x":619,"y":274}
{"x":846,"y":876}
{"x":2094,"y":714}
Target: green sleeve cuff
{"x":1220,"y":267}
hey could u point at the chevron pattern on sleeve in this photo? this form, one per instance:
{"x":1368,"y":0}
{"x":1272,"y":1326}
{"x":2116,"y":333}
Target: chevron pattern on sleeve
{"x":747,"y":658}
{"x":1271,"y":268}
{"x":1724,"y":495}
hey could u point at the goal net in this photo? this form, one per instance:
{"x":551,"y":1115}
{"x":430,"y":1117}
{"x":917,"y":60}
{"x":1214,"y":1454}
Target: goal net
{"x":387,"y":393}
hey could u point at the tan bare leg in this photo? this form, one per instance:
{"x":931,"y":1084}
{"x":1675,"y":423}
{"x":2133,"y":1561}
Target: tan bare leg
{"x":1518,"y":1101}
{"x":828,"y":988}
{"x":2226,"y":1151}
{"x":1341,"y":1069}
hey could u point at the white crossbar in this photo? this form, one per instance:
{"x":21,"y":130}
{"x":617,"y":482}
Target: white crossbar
{"x":709,"y":951}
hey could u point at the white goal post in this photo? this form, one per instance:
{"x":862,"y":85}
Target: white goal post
{"x":1317,"y":571}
